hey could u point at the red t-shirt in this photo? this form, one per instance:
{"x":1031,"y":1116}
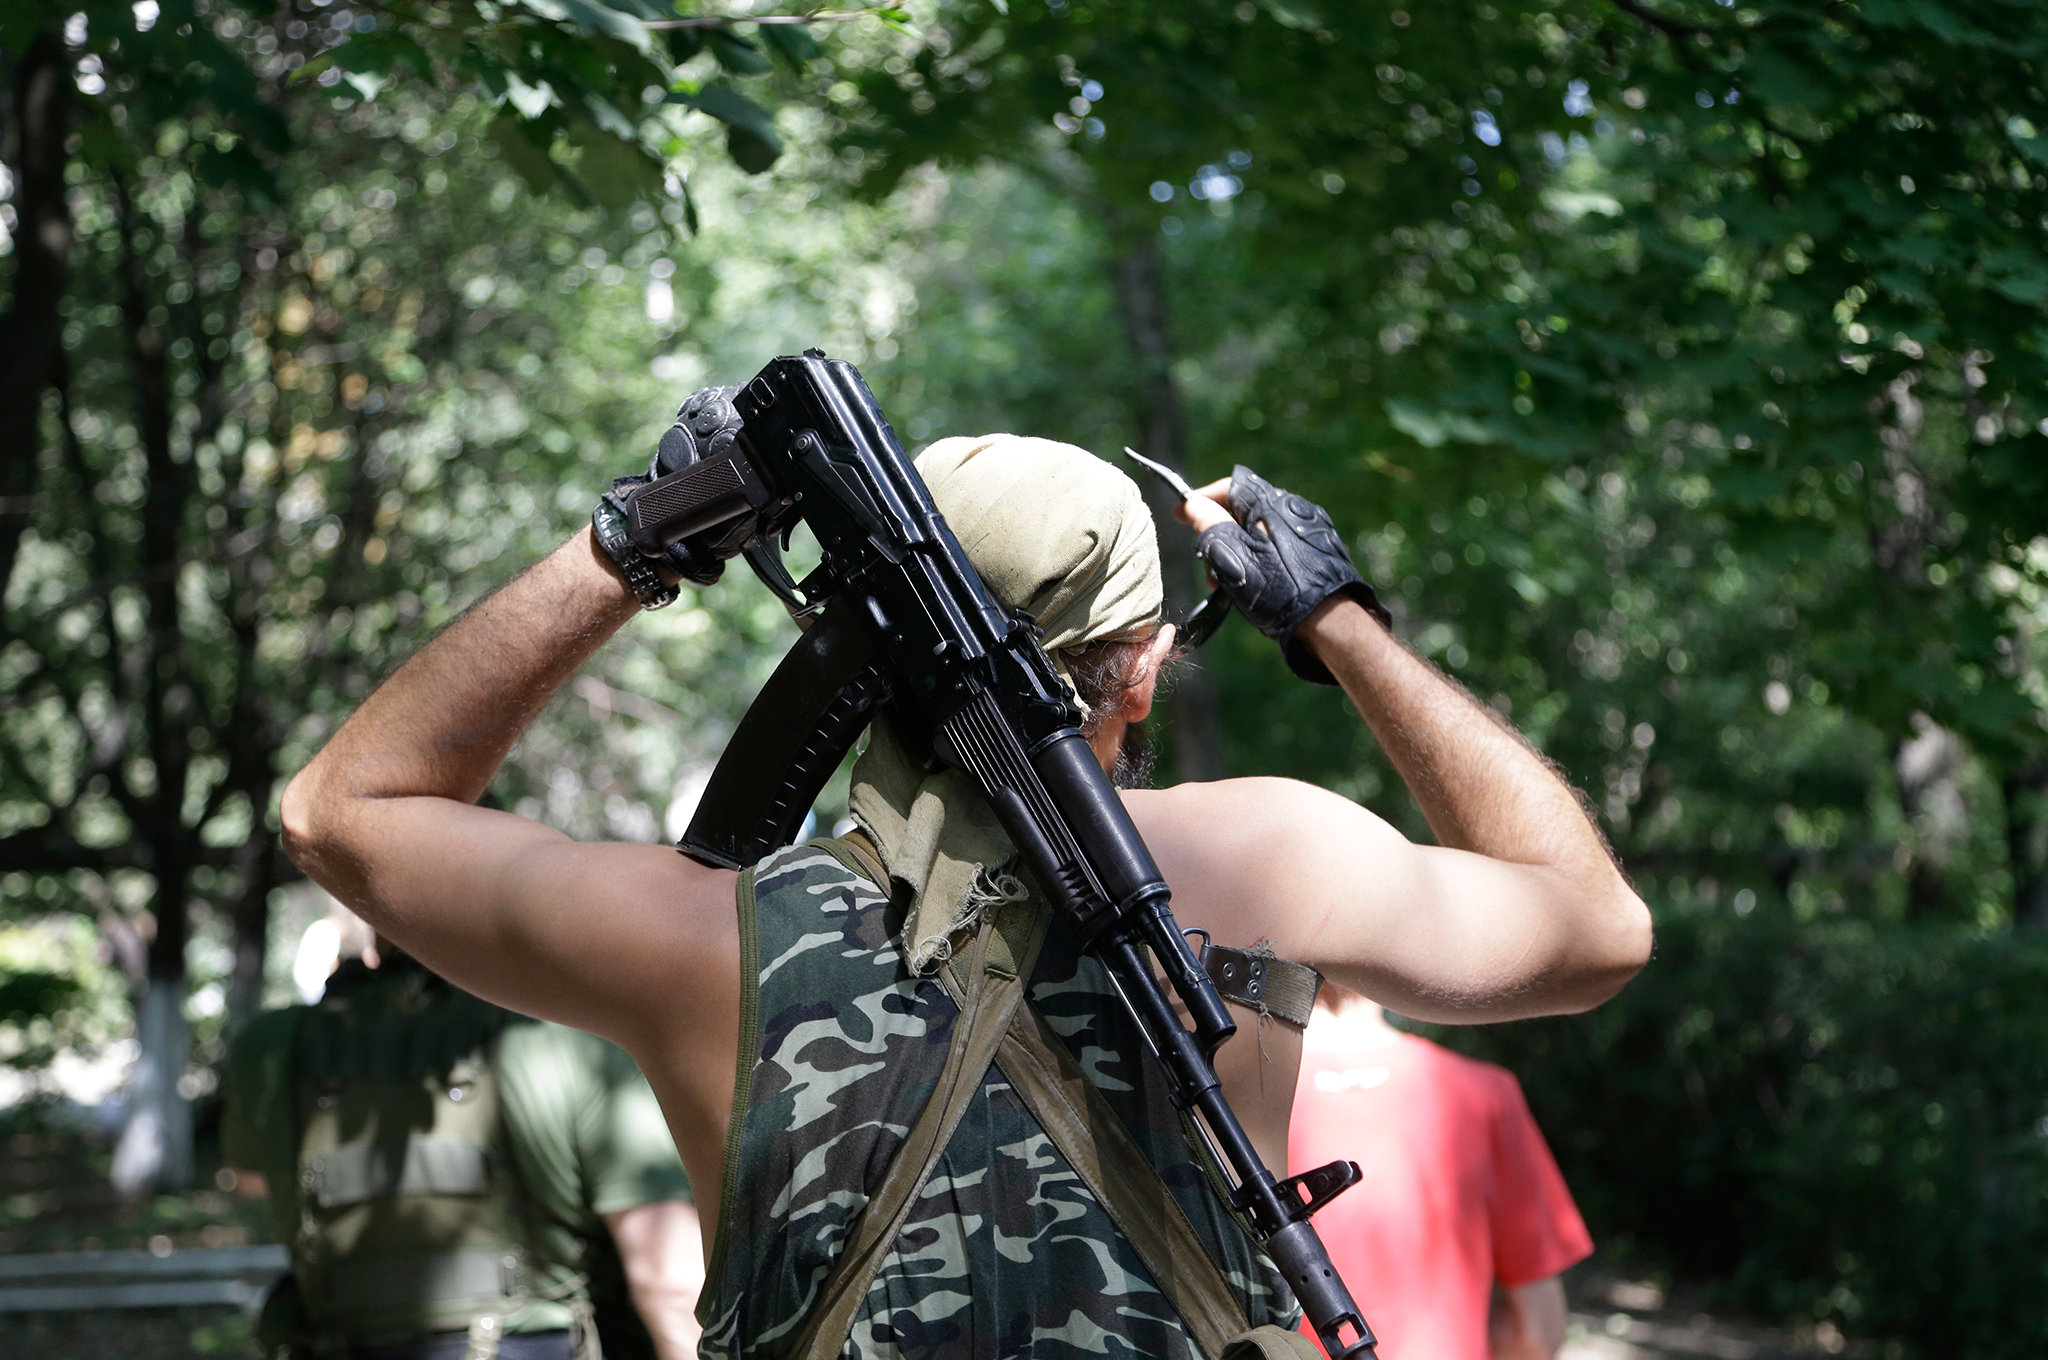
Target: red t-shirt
{"x":1460,"y":1191}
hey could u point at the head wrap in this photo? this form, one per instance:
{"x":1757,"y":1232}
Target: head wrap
{"x":1064,"y":536}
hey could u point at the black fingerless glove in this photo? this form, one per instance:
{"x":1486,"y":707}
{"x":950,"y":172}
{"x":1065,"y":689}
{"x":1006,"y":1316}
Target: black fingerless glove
{"x":1279,"y":577}
{"x":705,"y":427}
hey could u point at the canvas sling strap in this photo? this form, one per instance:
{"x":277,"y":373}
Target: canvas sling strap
{"x":987,"y":991}
{"x":1264,"y":982}
{"x":996,"y":1025}
{"x":1043,"y":1072}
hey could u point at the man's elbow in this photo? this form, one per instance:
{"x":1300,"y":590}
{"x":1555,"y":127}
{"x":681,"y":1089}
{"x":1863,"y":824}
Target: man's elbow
{"x":304,"y":820}
{"x":1616,"y":947}
{"x":1633,"y":934}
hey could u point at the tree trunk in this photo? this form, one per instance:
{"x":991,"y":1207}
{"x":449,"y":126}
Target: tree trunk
{"x":251,"y":918}
{"x":2026,"y":842}
{"x":1937,"y":821}
{"x":155,"y":1151}
{"x":32,"y":333}
{"x":1162,"y":435}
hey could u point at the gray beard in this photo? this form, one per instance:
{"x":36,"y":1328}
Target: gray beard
{"x":1135,"y":759}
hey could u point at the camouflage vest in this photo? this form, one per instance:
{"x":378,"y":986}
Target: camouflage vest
{"x":406,"y":1209}
{"x":1009,"y":1248}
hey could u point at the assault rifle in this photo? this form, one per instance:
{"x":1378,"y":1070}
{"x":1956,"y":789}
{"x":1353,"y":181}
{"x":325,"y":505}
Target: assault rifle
{"x":910,"y":625}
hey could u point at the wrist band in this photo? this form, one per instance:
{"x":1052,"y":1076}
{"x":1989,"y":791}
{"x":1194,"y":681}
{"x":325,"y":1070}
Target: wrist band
{"x":609,"y":527}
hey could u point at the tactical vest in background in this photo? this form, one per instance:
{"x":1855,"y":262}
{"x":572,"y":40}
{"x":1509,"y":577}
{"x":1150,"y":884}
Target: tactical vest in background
{"x":404,"y":1214}
{"x":1058,"y":1202}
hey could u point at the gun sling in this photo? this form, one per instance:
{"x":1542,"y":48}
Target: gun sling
{"x":999,"y":1026}
{"x":1264,"y":982}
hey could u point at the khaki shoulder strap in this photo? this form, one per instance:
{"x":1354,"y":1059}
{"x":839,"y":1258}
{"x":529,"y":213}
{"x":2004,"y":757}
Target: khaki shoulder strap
{"x":867,"y":859}
{"x":988,"y":992}
{"x":1272,"y":1343}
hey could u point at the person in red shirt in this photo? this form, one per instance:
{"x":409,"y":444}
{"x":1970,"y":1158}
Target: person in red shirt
{"x":1460,"y":1192}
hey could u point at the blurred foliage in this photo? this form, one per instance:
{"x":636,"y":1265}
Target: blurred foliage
{"x":191,"y":204}
{"x":1680,"y":361}
{"x":54,"y":1196}
{"x":587,"y":96}
{"x":1677,"y":367}
{"x":56,"y":995}
{"x":1794,"y":1102}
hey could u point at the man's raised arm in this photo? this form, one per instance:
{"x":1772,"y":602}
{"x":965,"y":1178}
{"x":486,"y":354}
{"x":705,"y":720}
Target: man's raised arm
{"x":1519,"y":910}
{"x":515,"y":911}
{"x":1546,"y":919}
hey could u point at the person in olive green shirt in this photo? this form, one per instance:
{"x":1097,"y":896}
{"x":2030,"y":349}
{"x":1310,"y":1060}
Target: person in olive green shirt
{"x":457,"y":1182}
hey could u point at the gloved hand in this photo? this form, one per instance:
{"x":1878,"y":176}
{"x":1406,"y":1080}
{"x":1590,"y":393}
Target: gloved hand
{"x":1279,"y":562}
{"x":705,"y":427}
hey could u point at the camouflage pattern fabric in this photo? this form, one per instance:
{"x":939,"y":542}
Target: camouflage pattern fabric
{"x":1004,"y":1252}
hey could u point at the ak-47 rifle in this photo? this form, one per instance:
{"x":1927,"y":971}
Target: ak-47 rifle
{"x":906,"y":621}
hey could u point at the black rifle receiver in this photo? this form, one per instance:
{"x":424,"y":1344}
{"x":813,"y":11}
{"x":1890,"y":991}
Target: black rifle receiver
{"x":911,"y":625}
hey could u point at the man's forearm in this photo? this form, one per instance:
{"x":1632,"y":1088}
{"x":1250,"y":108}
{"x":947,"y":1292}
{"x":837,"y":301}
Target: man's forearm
{"x":1480,"y":787}
{"x":661,"y":1246}
{"x":1529,"y":1321}
{"x":444,"y":721}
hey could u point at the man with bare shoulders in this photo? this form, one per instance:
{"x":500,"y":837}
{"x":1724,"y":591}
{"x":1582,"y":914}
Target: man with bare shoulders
{"x":793,"y":1018}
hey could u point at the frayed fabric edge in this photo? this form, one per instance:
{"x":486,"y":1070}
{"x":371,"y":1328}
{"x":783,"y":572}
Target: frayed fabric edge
{"x":993,"y":886}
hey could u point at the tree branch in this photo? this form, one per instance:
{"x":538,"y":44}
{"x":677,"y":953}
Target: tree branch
{"x":767,"y":20}
{"x":1670,"y":28}
{"x":46,"y":850}
{"x":31,"y":337}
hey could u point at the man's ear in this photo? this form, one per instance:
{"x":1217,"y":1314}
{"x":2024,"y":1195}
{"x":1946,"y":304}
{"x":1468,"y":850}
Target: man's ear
{"x":1137,"y":700}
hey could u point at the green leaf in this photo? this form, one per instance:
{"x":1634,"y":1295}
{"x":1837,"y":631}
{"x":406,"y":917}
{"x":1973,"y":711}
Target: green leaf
{"x":238,"y":166}
{"x":689,"y":208}
{"x":735,"y":53}
{"x":608,"y":117}
{"x":750,"y":135}
{"x":376,"y":53}
{"x":590,"y":17}
{"x":1770,"y":75}
{"x":1292,"y":14}
{"x":683,"y":43}
{"x":1944,"y":24}
{"x":2030,"y":142}
{"x":614,"y":172}
{"x":1434,"y":429}
{"x":793,"y":44}
{"x":101,"y":144}
{"x":749,"y":151}
{"x":35,"y":995}
{"x":530,"y":100}
{"x":528,"y":158}
{"x":2029,"y":288}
